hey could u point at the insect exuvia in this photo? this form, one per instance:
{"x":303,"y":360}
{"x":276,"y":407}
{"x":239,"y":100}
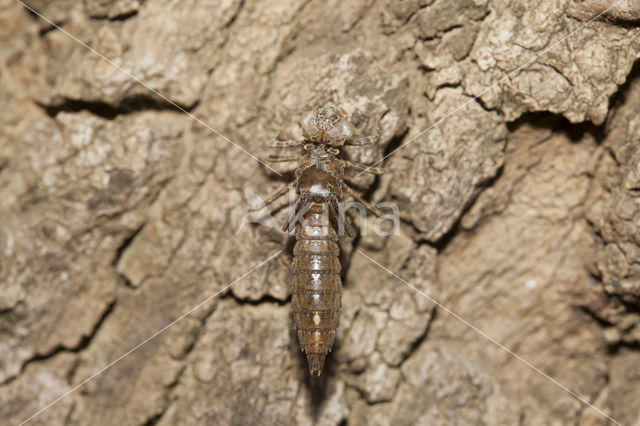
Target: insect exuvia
{"x":318,"y":219}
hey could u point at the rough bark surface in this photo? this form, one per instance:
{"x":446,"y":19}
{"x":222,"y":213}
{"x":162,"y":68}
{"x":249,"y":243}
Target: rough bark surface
{"x":520,"y":209}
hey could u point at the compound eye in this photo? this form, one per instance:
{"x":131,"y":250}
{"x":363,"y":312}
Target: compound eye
{"x":342,"y":132}
{"x":308,"y":123}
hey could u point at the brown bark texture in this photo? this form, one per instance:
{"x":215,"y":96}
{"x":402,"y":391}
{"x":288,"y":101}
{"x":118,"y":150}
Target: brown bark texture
{"x":120,"y":212}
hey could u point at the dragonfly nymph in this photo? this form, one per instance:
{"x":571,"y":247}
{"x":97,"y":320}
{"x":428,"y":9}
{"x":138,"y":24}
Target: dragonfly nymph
{"x":318,"y":219}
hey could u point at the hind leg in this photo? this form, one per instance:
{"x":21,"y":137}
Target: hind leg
{"x":362,"y":201}
{"x":279,"y":193}
{"x":295,"y":214}
{"x":337,"y":210}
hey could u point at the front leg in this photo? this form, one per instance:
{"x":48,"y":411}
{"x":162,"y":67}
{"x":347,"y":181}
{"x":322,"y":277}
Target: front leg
{"x":368,"y":140}
{"x":276,"y":159}
{"x":273,"y":143}
{"x":364,"y":167}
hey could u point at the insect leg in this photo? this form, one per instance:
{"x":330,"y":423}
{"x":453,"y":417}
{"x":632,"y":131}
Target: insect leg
{"x":295,"y":214}
{"x":351,"y":183}
{"x":359,"y":199}
{"x":273,"y":143}
{"x":277,"y":159}
{"x":278,"y":194}
{"x":337,"y":209}
{"x":284,"y":144}
{"x":364,"y":167}
{"x":367,"y":140}
{"x":286,"y":225}
{"x":363,"y":141}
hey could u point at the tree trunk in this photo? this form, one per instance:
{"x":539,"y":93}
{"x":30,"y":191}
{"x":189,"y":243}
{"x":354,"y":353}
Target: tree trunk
{"x":135,"y":289}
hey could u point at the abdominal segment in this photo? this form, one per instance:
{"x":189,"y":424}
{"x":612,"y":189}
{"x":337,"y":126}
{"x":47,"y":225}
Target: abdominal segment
{"x":316,"y":286}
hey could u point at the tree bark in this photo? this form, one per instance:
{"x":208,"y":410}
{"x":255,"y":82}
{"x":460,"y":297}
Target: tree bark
{"x":132,"y":286}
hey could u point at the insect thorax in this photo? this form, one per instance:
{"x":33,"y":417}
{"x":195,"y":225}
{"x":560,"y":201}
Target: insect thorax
{"x":320,"y":177}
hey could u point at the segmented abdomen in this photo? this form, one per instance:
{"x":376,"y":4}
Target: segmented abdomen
{"x":316,"y":286}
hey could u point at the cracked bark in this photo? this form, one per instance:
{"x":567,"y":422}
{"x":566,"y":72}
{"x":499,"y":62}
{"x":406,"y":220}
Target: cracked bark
{"x":119,"y":213}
